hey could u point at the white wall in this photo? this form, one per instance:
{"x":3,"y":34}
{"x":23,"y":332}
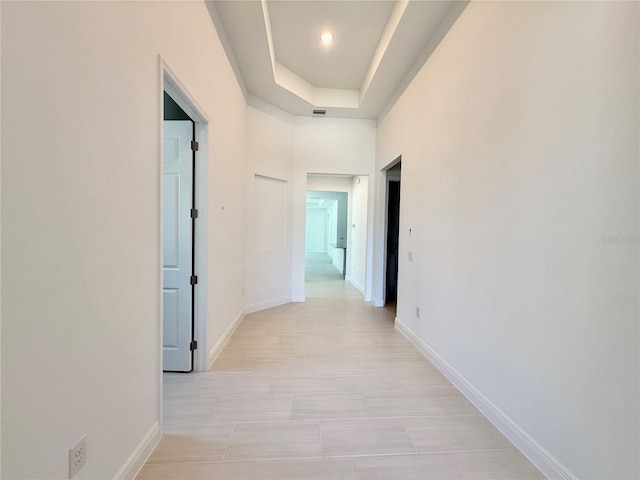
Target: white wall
{"x":81,"y":219}
{"x":358,"y":226}
{"x":316,"y":230}
{"x":329,"y":183}
{"x":326,"y":146}
{"x":289,"y":148}
{"x":519,"y":144}
{"x":269,"y":153}
{"x":337,"y":254}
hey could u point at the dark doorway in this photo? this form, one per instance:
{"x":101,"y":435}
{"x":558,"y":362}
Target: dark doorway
{"x":393,"y":232}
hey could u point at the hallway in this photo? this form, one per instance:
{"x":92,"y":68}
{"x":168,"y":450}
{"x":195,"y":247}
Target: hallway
{"x":325,"y":390}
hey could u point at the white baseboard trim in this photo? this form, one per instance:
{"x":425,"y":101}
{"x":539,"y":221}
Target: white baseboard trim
{"x":359,"y":287}
{"x":217,"y":348}
{"x":137,"y":459}
{"x":298,"y":298}
{"x":540,"y":457}
{"x":275,"y":302}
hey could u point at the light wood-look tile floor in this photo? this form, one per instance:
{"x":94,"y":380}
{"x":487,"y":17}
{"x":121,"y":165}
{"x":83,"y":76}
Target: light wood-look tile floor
{"x":325,"y":390}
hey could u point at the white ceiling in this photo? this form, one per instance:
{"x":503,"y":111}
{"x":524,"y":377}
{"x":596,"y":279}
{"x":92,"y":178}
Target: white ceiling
{"x":358,"y":27}
{"x":275,"y":49}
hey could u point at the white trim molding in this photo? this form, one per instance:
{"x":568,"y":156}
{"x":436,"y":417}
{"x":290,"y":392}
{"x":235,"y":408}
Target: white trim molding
{"x":170,"y":82}
{"x":217,"y":348}
{"x":180,"y":94}
{"x":275,"y":302}
{"x":140,"y":455}
{"x":531,"y":449}
{"x":359,"y":287}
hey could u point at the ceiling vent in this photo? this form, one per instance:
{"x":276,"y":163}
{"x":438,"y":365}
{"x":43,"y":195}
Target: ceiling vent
{"x":319,"y":112}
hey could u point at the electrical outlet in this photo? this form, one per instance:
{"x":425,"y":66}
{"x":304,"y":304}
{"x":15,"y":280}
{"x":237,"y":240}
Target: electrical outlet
{"x":77,"y":456}
{"x":418,"y":312}
{"x":411,"y":256}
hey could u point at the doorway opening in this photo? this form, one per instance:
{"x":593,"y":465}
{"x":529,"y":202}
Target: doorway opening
{"x":393,"y":234}
{"x":184,"y":118}
{"x":326,"y":233}
{"x":179,"y":218}
{"x":337,"y":234}
{"x":391,"y":189}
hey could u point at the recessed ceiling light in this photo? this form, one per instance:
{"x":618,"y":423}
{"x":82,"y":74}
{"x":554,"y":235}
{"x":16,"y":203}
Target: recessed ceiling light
{"x":326,"y":37}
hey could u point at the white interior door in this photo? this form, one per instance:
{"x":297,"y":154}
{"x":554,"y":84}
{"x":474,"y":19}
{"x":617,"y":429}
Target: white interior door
{"x":177,"y":246}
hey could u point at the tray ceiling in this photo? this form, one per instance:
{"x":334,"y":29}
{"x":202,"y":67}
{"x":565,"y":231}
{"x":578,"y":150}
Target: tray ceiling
{"x":378,"y":46}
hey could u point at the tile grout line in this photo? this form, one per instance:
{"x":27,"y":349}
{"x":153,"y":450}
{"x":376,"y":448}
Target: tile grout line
{"x":366,"y":404}
{"x":226,"y":448}
{"x":404,"y":387}
{"x":406,"y":432}
{"x":333,"y":365}
{"x":355,"y":460}
{"x":456,"y":465}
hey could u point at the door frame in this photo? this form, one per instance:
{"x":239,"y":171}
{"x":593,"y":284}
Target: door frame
{"x":298,"y":282}
{"x":380,"y":296}
{"x":168,"y":81}
{"x":389,"y":181}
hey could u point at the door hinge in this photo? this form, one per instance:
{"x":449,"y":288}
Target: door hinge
{"x":193,"y":345}
{"x":194,"y":279}
{"x":194,"y":213}
{"x":194,"y":145}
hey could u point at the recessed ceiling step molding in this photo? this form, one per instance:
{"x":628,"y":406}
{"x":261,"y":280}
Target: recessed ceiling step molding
{"x":353,"y":58}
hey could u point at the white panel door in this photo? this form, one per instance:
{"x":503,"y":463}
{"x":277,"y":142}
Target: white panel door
{"x":177,"y":246}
